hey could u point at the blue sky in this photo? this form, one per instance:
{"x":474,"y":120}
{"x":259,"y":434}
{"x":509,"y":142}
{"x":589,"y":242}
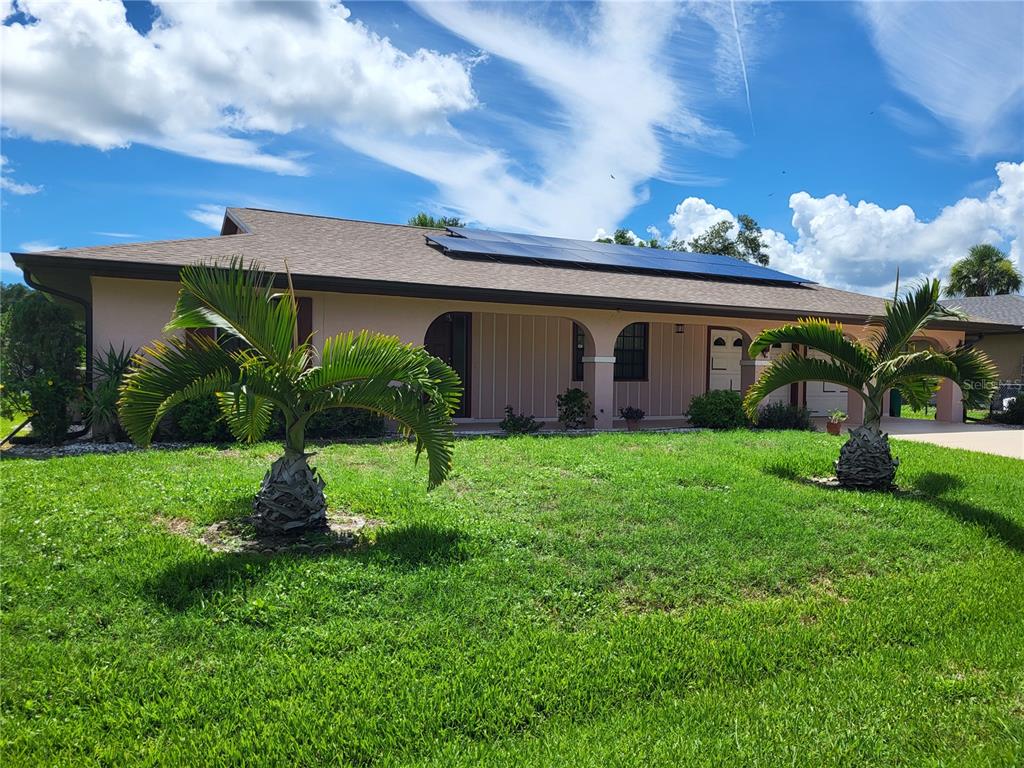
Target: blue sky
{"x":875,"y":135}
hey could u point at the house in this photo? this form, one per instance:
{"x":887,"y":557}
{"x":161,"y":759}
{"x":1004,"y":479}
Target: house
{"x":521,"y":318}
{"x":1005,"y":347}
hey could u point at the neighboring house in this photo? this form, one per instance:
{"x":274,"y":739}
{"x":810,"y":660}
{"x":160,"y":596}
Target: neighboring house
{"x":520,"y":318}
{"x":1005,"y":347}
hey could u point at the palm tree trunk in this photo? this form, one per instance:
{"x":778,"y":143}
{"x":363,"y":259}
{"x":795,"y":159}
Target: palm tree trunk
{"x":865,"y":461}
{"x":291,"y":499}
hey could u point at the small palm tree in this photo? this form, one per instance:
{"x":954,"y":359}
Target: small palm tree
{"x":985,"y":271}
{"x":257,"y":365}
{"x":889,"y":360}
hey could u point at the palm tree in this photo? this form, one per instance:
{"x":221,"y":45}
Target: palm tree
{"x":985,"y":271}
{"x":257,"y":365}
{"x":889,"y":360}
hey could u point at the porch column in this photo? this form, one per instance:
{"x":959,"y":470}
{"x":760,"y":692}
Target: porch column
{"x":750,"y":371}
{"x":949,"y":404}
{"x":599,"y":381}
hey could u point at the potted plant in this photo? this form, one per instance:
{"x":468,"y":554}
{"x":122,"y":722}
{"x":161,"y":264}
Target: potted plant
{"x":633,"y":417}
{"x":835,"y":422}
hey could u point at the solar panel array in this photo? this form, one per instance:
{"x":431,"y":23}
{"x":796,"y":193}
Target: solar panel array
{"x":461,"y":242}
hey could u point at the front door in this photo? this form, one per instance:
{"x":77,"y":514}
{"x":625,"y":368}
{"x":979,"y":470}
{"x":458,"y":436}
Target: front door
{"x":448,"y":338}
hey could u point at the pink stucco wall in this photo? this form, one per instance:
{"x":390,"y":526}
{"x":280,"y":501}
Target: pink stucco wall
{"x":521,"y":354}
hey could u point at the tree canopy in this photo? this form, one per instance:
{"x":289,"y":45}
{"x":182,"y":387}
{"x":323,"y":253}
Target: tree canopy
{"x":985,"y":271}
{"x":747,"y":245}
{"x":623,"y":236}
{"x":423,"y":219}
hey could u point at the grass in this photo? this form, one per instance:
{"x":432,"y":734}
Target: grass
{"x":973,"y":413}
{"x":6,"y":425}
{"x":627,"y":599}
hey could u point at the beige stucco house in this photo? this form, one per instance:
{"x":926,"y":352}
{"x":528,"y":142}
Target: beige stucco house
{"x":519,"y":330}
{"x":1006,"y":346}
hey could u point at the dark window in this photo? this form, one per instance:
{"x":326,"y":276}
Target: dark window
{"x":737,"y":342}
{"x":631,"y":353}
{"x":578,"y":345}
{"x":719,"y":342}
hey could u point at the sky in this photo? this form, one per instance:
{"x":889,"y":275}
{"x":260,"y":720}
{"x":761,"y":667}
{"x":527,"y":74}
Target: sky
{"x":863,"y":137}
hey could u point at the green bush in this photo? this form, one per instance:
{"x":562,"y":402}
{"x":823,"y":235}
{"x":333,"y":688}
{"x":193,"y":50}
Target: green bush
{"x":1012,"y":415}
{"x":518,"y":424}
{"x":101,"y":402}
{"x":40,"y":355}
{"x":574,"y":409}
{"x":345,"y":423}
{"x":717,"y":409}
{"x":196,"y":421}
{"x":784,"y":416}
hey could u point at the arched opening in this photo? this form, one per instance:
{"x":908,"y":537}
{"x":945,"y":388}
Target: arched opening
{"x":449,"y":337}
{"x":727,"y":348}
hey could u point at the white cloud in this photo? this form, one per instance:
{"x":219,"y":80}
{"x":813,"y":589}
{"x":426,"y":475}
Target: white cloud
{"x":119,"y":235}
{"x":35,"y":246}
{"x":208,"y":214}
{"x":9,"y":185}
{"x":859,"y":247}
{"x":961,"y":61}
{"x":613,"y":93}
{"x":216,"y":80}
{"x":8,"y":269}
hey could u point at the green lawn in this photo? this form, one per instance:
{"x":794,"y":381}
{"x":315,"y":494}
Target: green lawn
{"x":6,"y":425}
{"x":627,"y":599}
{"x":907,"y":413}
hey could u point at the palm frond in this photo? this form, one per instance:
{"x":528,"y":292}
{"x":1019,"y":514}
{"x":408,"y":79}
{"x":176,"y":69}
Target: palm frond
{"x":976,"y":375}
{"x":907,"y":317}
{"x":351,"y":357}
{"x":239,"y":302}
{"x":169,"y":372}
{"x":792,"y":368}
{"x":247,"y":414}
{"x":821,"y":335}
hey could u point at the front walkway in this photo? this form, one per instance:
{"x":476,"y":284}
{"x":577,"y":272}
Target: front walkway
{"x":986,"y":438}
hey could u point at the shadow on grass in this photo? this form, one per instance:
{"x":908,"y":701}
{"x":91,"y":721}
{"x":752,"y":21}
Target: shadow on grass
{"x":932,"y":486}
{"x":403,"y":548}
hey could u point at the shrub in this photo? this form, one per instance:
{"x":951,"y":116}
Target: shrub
{"x":196,"y":421}
{"x":630,"y":413}
{"x":574,"y":409}
{"x":101,"y":401}
{"x":717,"y":409}
{"x":40,"y":354}
{"x":1012,"y":415}
{"x":518,"y":424}
{"x":345,"y":422}
{"x":784,"y":416}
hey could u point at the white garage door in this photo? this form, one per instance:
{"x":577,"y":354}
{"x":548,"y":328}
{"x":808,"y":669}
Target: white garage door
{"x":726,"y":353}
{"x":780,"y":395}
{"x":822,"y":396}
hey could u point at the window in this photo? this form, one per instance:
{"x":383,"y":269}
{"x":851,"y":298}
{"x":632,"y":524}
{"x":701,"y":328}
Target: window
{"x":579,"y":341}
{"x":631,"y":353}
{"x":719,"y":342}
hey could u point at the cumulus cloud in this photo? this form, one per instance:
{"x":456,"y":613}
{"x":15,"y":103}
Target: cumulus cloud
{"x":859,"y":247}
{"x":216,"y":80}
{"x":208,"y":214}
{"x":8,"y":269}
{"x":611,"y":105}
{"x":12,"y":187}
{"x":37,"y":246}
{"x":961,"y":61}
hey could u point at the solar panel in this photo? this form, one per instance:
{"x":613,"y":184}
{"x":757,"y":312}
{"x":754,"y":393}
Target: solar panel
{"x":463,"y":242}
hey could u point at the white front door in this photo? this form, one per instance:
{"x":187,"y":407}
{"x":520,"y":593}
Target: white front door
{"x":823,"y":396}
{"x":726,"y":353}
{"x":780,"y":395}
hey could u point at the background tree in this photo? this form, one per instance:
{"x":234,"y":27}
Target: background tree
{"x":985,"y":271}
{"x":257,"y":365}
{"x":747,"y":245}
{"x":423,"y":219}
{"x":623,"y":236}
{"x":11,"y":294}
{"x":40,"y":354}
{"x":869,"y":369}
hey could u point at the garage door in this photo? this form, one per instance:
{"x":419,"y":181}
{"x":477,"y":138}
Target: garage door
{"x":780,"y":395}
{"x":822,"y":396}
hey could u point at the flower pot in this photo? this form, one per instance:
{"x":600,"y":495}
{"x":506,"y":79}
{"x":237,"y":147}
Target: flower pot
{"x":632,"y":424}
{"x":834,"y":427}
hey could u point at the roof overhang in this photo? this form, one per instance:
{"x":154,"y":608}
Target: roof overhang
{"x":150,"y":271}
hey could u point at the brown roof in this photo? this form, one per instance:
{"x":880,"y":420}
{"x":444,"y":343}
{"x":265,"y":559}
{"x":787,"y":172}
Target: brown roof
{"x":358,"y":256}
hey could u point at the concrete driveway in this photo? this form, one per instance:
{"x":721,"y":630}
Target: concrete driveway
{"x":986,"y":438}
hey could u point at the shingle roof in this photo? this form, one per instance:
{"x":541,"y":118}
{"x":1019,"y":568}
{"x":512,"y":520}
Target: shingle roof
{"x":345,"y":254}
{"x":1008,"y":308}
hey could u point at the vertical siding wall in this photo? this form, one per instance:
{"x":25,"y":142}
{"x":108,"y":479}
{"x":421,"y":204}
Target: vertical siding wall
{"x":525,"y":361}
{"x":676,"y":371}
{"x":519,"y":360}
